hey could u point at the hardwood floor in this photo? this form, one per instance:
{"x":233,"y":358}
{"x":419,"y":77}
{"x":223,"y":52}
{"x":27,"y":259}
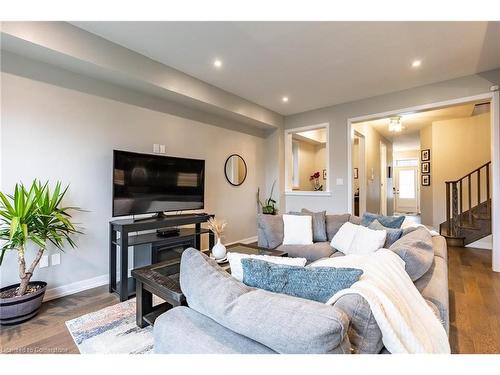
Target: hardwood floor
{"x":47,"y":333}
{"x":474,"y":301}
{"x":474,"y":311}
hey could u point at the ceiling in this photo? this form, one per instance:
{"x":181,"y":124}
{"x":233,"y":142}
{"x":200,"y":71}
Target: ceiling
{"x":409,"y":137}
{"x":314,"y":64}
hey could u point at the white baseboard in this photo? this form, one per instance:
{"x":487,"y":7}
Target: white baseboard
{"x":79,"y":286}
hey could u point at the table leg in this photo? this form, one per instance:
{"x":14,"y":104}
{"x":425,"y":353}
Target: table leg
{"x":211,"y":240}
{"x":144,"y":304}
{"x":112,"y":259}
{"x":197,"y":237}
{"x":123,"y":267}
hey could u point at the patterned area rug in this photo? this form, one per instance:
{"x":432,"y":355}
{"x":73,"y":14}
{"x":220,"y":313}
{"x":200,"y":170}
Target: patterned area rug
{"x":111,"y":330}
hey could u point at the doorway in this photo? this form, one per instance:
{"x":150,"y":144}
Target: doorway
{"x":433,"y":185}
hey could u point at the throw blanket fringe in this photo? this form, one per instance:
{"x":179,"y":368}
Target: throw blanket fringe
{"x":407,"y":322}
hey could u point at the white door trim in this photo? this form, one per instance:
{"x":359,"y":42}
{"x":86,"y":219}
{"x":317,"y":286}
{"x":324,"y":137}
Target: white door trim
{"x":495,"y":152}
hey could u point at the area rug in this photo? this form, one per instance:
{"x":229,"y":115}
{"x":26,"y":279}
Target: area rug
{"x":111,"y":330}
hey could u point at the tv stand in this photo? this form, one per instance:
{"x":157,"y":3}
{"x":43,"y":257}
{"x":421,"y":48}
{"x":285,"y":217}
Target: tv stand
{"x":120,"y":240}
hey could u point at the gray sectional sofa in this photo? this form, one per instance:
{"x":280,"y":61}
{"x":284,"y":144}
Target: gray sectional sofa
{"x":225,"y":316}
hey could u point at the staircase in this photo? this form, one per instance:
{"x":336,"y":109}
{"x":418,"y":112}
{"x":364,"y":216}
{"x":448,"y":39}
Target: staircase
{"x":468,"y":208}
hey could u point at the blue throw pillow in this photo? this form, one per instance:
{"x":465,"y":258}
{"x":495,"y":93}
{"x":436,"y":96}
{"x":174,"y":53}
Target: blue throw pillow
{"x":386,"y":221}
{"x":314,"y":283}
{"x":392,"y":234}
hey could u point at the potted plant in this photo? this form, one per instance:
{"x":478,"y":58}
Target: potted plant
{"x":269,"y":206}
{"x":29,"y":217}
{"x":314,"y":178}
{"x":217,"y":227}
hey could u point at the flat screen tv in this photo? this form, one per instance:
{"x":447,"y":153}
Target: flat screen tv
{"x":145,"y":183}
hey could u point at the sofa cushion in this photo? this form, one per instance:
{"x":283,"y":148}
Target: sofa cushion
{"x":318,"y":224}
{"x":355,"y":220}
{"x":333,"y":224}
{"x":317,"y":284}
{"x":310,"y":252}
{"x":272,"y":228}
{"x":416,"y":250}
{"x":392,"y":234}
{"x":182,"y":330}
{"x":285,"y":324}
{"x":386,"y":221}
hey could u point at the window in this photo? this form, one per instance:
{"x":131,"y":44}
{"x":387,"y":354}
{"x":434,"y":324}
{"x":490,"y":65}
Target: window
{"x":306,"y":159}
{"x":407,"y":163}
{"x":407,"y":184}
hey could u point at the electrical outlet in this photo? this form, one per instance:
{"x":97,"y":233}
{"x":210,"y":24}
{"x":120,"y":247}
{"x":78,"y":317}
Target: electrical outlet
{"x":55,"y":259}
{"x":156,"y":147}
{"x":340,"y":181}
{"x":162,"y":149}
{"x":44,"y":261}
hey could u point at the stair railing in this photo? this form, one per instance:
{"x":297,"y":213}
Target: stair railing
{"x":455,"y":198}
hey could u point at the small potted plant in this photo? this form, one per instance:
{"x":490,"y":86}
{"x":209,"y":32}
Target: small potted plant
{"x":269,"y":205}
{"x":217,"y":227}
{"x":29,"y":217}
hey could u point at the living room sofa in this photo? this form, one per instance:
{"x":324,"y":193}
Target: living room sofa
{"x":226,"y":316}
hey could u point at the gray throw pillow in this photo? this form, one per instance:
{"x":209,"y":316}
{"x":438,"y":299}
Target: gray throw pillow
{"x":318,"y":224}
{"x":392,"y":234}
{"x":386,"y":221}
{"x":416,"y":250}
{"x":333,"y":224}
{"x":272,"y":227}
{"x":317,"y":284}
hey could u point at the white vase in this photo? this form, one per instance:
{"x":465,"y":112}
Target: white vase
{"x":219,"y":250}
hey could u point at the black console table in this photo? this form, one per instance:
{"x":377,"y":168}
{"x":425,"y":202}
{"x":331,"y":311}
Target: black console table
{"x":119,"y":237}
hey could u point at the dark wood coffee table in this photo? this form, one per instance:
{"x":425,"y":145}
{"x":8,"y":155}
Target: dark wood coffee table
{"x":162,"y":280}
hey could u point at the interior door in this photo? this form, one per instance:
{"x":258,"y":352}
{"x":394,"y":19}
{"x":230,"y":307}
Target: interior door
{"x":406,"y":189}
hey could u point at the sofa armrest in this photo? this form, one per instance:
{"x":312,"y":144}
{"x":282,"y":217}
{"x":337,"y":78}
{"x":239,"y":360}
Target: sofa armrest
{"x":363,"y":331}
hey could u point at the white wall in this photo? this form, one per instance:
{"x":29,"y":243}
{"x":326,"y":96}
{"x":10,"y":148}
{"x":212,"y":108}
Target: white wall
{"x":54,"y":133}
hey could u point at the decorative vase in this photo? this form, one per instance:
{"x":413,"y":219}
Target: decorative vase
{"x":219,"y":250}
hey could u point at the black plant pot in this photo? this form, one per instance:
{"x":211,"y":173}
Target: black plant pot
{"x":17,"y":310}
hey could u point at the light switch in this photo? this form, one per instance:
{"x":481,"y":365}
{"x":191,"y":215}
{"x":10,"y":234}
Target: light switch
{"x":162,"y":149}
{"x":55,"y":259}
{"x":156,"y":148}
{"x":340,"y":181}
{"x":44,"y":261}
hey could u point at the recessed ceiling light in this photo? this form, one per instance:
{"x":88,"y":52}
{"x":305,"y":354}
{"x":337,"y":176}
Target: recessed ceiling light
{"x":217,"y":63}
{"x":416,"y":63}
{"x":284,"y":99}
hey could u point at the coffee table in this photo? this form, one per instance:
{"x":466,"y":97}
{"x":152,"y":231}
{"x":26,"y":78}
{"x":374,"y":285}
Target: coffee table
{"x":162,"y":280}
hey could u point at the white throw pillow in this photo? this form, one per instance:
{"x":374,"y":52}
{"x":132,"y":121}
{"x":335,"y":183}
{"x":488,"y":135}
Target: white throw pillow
{"x":357,"y":239}
{"x":367,"y":241}
{"x":237,"y":268}
{"x":343,"y":238}
{"x":297,"y":230}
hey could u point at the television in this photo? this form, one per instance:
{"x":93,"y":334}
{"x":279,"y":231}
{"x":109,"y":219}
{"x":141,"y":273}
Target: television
{"x":144,"y":183}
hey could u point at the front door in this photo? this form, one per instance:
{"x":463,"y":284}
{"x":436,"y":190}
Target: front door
{"x":406,"y":189}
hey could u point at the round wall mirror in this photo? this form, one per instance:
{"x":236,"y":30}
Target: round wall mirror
{"x":235,"y":170}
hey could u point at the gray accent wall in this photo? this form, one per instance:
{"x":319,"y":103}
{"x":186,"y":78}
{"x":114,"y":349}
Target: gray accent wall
{"x":57,"y":125}
{"x":337,"y":116}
